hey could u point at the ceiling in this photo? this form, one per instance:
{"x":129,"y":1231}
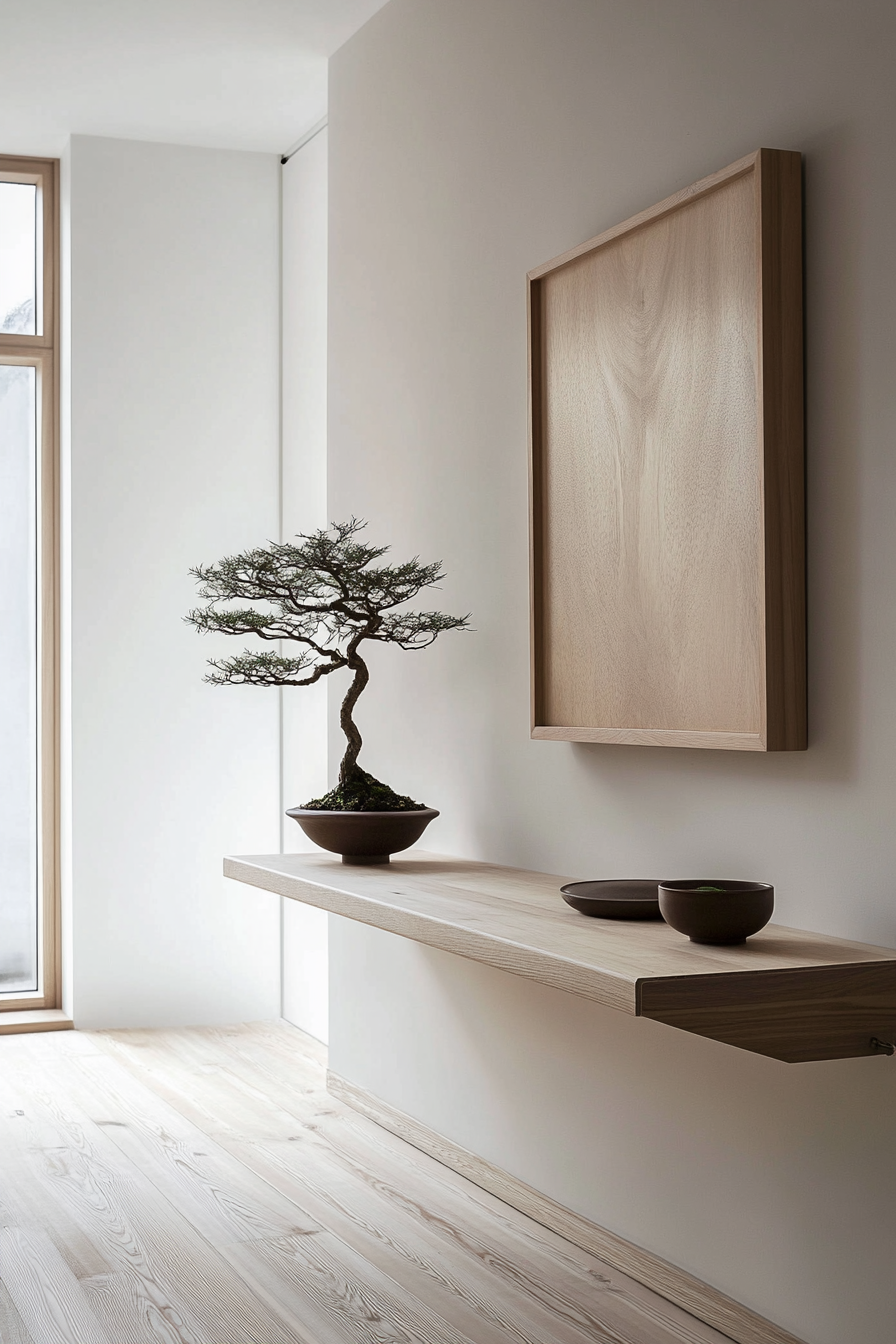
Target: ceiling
{"x":234,"y":74}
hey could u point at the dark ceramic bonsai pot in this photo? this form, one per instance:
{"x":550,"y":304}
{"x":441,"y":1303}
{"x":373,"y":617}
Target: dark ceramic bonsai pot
{"x":722,"y":912}
{"x":363,"y":837}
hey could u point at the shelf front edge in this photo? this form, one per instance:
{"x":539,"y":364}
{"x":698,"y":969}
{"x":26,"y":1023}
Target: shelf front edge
{"x":824,"y":1012}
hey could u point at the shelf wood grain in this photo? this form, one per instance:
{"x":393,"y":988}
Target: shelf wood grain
{"x":786,"y":993}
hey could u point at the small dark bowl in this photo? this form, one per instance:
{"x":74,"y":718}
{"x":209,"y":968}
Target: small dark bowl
{"x":727,"y":916}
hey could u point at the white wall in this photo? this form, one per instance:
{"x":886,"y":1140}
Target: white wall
{"x":468,"y":143}
{"x":173,"y":447}
{"x":304,"y":509}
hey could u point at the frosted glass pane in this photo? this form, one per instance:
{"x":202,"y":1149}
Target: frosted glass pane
{"x":18,"y":257}
{"x":18,"y":681}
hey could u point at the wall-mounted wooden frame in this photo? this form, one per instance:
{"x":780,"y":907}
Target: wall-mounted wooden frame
{"x":667,"y":472}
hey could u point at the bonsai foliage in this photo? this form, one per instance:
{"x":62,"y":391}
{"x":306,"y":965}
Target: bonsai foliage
{"x":326,"y":595}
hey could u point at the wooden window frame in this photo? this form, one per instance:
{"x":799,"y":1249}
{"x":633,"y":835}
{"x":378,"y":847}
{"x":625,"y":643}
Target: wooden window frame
{"x":41,"y":352}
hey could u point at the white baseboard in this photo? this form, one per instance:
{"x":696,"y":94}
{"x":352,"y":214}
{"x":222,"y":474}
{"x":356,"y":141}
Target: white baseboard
{"x":739,"y":1323}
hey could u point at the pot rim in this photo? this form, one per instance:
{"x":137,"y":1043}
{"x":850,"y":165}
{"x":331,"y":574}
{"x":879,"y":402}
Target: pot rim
{"x":340,"y":812}
{"x":730,"y":887}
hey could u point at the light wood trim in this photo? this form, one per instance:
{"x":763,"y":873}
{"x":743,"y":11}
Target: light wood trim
{"x":653,"y":212}
{"x":42,"y":353}
{"x":788,"y":994}
{"x":44,"y":174}
{"x":21,"y":1002}
{"x":49,"y":653}
{"x":768,"y":700}
{"x":653,"y":737}
{"x":52,"y":616}
{"x":709,"y":1305}
{"x":38,"y":1019}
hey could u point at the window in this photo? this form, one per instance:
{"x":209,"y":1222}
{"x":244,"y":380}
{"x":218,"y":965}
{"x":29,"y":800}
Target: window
{"x":29,"y":322}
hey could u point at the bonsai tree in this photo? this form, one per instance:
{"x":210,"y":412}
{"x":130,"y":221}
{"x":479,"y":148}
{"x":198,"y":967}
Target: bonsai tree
{"x":326,"y":594}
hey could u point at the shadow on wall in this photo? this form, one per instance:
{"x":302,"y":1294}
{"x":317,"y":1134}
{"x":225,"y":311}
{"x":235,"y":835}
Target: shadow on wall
{"x":834,"y":446}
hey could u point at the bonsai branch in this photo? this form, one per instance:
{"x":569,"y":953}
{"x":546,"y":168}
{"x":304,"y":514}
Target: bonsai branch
{"x":326,"y":593}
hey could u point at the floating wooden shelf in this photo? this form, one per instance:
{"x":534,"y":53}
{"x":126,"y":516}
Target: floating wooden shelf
{"x":791,"y":995}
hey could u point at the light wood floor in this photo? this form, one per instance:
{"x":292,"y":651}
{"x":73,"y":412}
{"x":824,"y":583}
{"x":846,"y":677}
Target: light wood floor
{"x":201,"y":1187}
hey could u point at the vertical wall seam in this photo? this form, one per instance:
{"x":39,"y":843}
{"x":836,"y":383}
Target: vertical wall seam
{"x":281,"y":747}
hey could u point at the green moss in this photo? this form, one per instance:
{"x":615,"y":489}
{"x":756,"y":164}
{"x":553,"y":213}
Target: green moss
{"x":720,"y":889}
{"x":363,"y":793}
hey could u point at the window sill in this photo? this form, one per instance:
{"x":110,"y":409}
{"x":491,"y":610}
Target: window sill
{"x":36,"y":1019}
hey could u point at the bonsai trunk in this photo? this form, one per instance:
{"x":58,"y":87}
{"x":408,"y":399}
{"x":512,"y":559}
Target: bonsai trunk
{"x":349,"y":767}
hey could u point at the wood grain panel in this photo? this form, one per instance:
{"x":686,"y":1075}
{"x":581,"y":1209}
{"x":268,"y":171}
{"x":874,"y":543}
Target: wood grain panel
{"x":736,"y":1322}
{"x":651,"y":476}
{"x":666,"y":473}
{"x":516,"y":921}
{"x":789,"y":1015}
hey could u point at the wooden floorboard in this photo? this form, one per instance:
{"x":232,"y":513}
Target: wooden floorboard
{"x":12,"y":1327}
{"x":200,"y":1186}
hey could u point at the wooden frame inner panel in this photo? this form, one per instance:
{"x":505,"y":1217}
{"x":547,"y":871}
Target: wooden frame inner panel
{"x":667,"y":472}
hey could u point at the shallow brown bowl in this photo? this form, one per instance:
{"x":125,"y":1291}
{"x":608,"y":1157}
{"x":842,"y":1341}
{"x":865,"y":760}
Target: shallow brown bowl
{"x":363,"y":837}
{"x":620,"y":898}
{"x":727,"y":916}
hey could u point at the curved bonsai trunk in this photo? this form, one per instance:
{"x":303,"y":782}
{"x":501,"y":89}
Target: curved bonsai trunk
{"x":349,"y":766}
